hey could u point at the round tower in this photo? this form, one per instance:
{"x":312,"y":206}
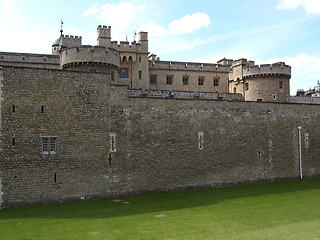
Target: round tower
{"x":267,"y":82}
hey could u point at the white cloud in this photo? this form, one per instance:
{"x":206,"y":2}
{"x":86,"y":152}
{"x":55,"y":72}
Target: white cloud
{"x":92,"y":10}
{"x":186,"y":24}
{"x":9,"y":11}
{"x":9,"y":5}
{"x":311,"y":6}
{"x":189,"y":23}
{"x":116,"y":15}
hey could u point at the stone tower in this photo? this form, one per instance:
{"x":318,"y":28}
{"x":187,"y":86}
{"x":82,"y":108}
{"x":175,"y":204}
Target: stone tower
{"x":267,"y":82}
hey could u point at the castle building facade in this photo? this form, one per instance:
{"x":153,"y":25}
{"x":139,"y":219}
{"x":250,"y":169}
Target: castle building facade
{"x":109,"y":120}
{"x":131,"y":64}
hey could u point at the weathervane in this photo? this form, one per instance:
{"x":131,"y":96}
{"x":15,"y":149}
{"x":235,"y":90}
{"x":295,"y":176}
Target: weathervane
{"x":61,"y":31}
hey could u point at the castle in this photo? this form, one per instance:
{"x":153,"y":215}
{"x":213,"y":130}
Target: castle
{"x":107,"y":120}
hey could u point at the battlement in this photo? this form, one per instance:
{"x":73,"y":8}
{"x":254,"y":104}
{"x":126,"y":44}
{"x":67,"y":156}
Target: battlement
{"x":187,"y":66}
{"x":242,"y":61}
{"x":89,"y":54}
{"x":104,"y":31}
{"x":67,"y":41}
{"x":29,"y":59}
{"x":267,"y":69}
{"x":139,"y":93}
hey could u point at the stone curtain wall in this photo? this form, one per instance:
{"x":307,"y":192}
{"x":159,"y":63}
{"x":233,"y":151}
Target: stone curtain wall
{"x":242,"y":142}
{"x":1,"y":99}
{"x":109,"y":144}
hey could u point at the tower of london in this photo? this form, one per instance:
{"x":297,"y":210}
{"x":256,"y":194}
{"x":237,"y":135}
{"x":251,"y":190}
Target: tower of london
{"x":113,"y":119}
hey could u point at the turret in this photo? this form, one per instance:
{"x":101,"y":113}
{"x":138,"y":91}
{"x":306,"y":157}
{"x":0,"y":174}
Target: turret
{"x":104,"y":36}
{"x":143,"y":41}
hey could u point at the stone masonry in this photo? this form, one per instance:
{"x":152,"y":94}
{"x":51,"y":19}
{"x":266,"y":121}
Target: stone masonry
{"x":112,"y":142}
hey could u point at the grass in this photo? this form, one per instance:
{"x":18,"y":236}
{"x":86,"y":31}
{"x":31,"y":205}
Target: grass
{"x":277,"y":210}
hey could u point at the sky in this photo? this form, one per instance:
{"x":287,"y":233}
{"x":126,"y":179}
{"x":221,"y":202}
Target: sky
{"x":266,"y":31}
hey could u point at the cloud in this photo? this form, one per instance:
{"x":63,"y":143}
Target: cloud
{"x":92,"y":10}
{"x":9,"y":11}
{"x":186,"y":24}
{"x":189,"y":23}
{"x":9,"y":5}
{"x":311,"y":6}
{"x":116,"y":15}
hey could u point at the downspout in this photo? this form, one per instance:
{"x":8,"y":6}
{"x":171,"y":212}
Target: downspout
{"x":300,"y":159}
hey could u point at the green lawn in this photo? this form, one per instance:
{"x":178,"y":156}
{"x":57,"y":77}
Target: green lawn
{"x":277,"y":210}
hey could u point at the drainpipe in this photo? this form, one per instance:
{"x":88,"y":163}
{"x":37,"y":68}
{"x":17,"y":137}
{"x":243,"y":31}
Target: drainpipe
{"x":300,"y":160}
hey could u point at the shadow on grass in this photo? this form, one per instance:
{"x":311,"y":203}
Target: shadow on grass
{"x":157,"y":203}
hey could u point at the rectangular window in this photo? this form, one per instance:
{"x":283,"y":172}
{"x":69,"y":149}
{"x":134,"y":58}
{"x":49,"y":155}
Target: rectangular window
{"x":185,"y":80}
{"x":45,"y":145}
{"x":140,"y":74}
{"x":52,"y":145}
{"x":169,"y":80}
{"x":247,"y":86}
{"x":49,"y":145}
{"x":200,"y":81}
{"x":153,"y":79}
{"x":139,"y":59}
{"x":281,"y":85}
{"x":216,"y":82}
{"x":124,"y":73}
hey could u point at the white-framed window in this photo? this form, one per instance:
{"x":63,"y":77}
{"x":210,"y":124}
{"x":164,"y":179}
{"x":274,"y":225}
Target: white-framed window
{"x":306,"y":140}
{"x":49,"y":145}
{"x":113,"y":142}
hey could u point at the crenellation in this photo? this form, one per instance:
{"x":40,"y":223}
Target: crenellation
{"x":269,"y":69}
{"x":188,"y":66}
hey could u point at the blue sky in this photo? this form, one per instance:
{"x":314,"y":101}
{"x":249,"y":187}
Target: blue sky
{"x":266,"y":31}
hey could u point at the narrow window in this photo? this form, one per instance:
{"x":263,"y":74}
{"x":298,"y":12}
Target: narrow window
{"x":185,"y":80}
{"x":112,"y":76}
{"x":234,"y":90}
{"x":139,"y":59}
{"x":259,"y":153}
{"x":216,"y":82}
{"x":55,"y":178}
{"x":153,"y":79}
{"x":200,"y":81}
{"x":247,"y":86}
{"x":45,"y":145}
{"x":169,"y":80}
{"x":110,"y":159}
{"x":200,"y":138}
{"x":306,"y":136}
{"x":140,"y":74}
{"x":274,"y":96}
{"x":13,"y":108}
{"x":13,"y":141}
{"x":113,"y":142}
{"x":42,"y":109}
{"x":280,"y":84}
